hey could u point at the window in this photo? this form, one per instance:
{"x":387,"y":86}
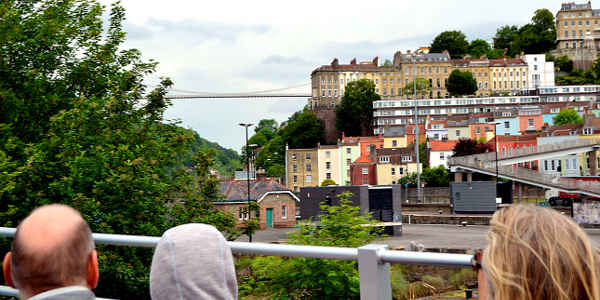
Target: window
{"x":295,"y":179}
{"x":394,"y":143}
{"x":328,"y":165}
{"x":295,"y":168}
{"x":283,"y":212}
{"x":308,"y":179}
{"x":365,"y":171}
{"x":546,"y":165}
{"x":530,"y":122}
{"x":587,"y":131}
{"x":308,"y":168}
{"x":507,"y":125}
{"x":328,"y":175}
{"x":458,"y":133}
{"x":400,"y":171}
{"x":365,"y":181}
{"x":393,"y":171}
{"x":328,"y":154}
{"x":406,"y":158}
{"x":478,"y":130}
{"x":442,"y":157}
{"x":349,"y":150}
{"x":307,"y":156}
{"x":348,"y":161}
{"x":293,"y":156}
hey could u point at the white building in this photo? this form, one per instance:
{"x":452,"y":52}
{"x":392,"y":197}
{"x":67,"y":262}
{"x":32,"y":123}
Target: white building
{"x":440,"y":152}
{"x":541,"y":72}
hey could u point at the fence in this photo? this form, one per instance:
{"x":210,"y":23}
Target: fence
{"x":373,"y":259}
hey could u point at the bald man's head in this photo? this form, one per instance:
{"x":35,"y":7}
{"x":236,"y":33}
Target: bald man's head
{"x":52,"y":248}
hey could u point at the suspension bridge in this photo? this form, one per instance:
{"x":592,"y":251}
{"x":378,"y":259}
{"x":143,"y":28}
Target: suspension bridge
{"x":176,"y":94}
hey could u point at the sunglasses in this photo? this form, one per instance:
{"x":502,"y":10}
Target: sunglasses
{"x":476,"y":261}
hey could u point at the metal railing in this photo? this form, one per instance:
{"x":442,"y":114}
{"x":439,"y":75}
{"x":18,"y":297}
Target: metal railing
{"x":373,"y":259}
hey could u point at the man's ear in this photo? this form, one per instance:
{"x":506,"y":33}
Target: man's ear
{"x":6,"y":269}
{"x":93,"y":273}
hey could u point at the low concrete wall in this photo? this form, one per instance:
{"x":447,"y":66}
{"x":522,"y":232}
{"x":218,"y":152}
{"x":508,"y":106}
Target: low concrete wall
{"x":445,"y":219}
{"x":428,"y":195}
{"x":426,"y":207}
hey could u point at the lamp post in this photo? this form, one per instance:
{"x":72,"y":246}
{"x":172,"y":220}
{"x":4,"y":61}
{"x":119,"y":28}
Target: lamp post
{"x":246,"y":125}
{"x":414,"y":57}
{"x":496,"y":142}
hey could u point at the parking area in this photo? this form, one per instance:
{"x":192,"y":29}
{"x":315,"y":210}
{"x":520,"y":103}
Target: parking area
{"x":430,"y":236}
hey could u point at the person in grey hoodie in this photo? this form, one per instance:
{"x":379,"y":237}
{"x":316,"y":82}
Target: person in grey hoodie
{"x":192,"y":261}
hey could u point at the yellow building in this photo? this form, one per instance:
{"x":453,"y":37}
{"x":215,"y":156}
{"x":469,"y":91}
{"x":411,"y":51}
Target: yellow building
{"x":395,"y":137}
{"x":508,"y":75}
{"x":393,"y":164}
{"x":329,"y":163}
{"x":302,"y":168}
{"x":458,"y":130}
{"x":577,"y":26}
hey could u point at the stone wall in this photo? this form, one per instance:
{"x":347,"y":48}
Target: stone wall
{"x":428,"y":195}
{"x":327,"y":115}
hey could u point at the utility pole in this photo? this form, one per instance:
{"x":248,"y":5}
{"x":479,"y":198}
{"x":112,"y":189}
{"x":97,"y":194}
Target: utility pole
{"x":248,"y":176}
{"x":414,"y":56}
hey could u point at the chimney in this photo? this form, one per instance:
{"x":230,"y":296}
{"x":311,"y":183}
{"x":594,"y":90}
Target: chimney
{"x":353,"y":61}
{"x":376,"y":61}
{"x":407,"y":51}
{"x":335,"y":62}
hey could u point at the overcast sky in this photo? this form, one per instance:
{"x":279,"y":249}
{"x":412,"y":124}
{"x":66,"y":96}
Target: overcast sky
{"x":239,"y":46}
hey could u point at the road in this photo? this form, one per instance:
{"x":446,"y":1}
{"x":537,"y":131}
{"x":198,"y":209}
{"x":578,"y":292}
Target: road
{"x":431,"y":236}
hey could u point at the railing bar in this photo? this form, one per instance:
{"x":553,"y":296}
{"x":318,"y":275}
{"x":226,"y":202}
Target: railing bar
{"x":294,"y":250}
{"x":11,"y":292}
{"x":426,"y":258}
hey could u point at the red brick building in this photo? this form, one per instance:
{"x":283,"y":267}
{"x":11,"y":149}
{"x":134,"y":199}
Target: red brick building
{"x":277,"y":204}
{"x":363,"y":171}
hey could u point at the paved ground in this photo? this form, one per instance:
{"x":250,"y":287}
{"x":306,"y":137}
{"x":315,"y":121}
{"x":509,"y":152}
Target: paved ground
{"x":431,"y":236}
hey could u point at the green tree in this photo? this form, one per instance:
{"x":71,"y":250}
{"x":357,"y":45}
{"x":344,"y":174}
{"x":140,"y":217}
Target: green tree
{"x":354,"y":116}
{"x":269,"y":124}
{"x":271,"y":157}
{"x":567,"y":116}
{"x":79,"y":127}
{"x":328,"y":182}
{"x":294,"y":278}
{"x":436,"y":177}
{"x":505,"y":39}
{"x":388,"y":63}
{"x":461,"y":83}
{"x":423,"y":87}
{"x":304,"y":132}
{"x":564,"y":64}
{"x":453,"y":41}
{"x":495,"y":53}
{"x":469,"y":147}
{"x":479,"y":47}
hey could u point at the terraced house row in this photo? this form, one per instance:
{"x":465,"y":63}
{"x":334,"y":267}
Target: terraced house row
{"x":387,"y":157}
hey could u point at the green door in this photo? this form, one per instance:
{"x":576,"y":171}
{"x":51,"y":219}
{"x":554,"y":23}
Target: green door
{"x":269,"y":217}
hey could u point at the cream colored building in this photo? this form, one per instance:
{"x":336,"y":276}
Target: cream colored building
{"x":395,"y":137}
{"x":393,"y":164}
{"x":577,"y":26}
{"x":458,"y":130}
{"x":508,"y":75}
{"x":329,"y":163}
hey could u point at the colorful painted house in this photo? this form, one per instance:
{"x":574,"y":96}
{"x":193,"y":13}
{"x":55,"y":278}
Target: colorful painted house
{"x":329,"y":163}
{"x":508,"y":122}
{"x":440,"y":152}
{"x":458,"y":130}
{"x":395,"y":137}
{"x":531,"y":119}
{"x":395,"y":163}
{"x":368,"y":144}
{"x":349,"y":152}
{"x":510,"y":143}
{"x":411,"y":134}
{"x":277,"y":204}
{"x":436,"y":130}
{"x":482,"y":131}
{"x":567,"y":165}
{"x":363,"y":171}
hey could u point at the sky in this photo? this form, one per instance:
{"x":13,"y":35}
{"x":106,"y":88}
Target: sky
{"x":245,"y":46}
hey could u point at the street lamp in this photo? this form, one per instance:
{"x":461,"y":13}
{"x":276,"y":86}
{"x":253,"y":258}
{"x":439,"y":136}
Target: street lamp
{"x":246,"y":125}
{"x":496,"y":142}
{"x":414,"y":59}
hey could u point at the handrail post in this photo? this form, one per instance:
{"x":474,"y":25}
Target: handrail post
{"x":375,"y":281}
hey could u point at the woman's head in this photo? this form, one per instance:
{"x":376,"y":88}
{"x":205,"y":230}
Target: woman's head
{"x":537,"y":253}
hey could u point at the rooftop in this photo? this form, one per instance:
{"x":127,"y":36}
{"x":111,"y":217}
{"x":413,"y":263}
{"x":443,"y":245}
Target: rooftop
{"x":436,"y":145}
{"x":238,"y":190}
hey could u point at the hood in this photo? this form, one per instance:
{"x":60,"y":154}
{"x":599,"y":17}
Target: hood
{"x":193,"y":261}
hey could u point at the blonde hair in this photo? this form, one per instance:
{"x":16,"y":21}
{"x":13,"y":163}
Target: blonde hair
{"x":537,"y":253}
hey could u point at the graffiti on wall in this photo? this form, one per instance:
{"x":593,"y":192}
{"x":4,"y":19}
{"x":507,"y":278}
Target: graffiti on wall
{"x":587,"y":212}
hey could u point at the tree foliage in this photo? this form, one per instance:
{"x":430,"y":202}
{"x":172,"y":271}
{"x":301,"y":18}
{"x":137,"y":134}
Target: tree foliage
{"x":295,"y":278}
{"x":567,"y":116}
{"x":564,"y":64}
{"x":328,"y":182}
{"x":436,"y":177}
{"x":461,"y":83}
{"x":536,"y":37}
{"x":423,"y":87}
{"x":304,"y":132}
{"x":478,"y":48}
{"x":453,"y":41}
{"x":469,"y":147}
{"x":79,"y":127}
{"x":354,"y":116}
